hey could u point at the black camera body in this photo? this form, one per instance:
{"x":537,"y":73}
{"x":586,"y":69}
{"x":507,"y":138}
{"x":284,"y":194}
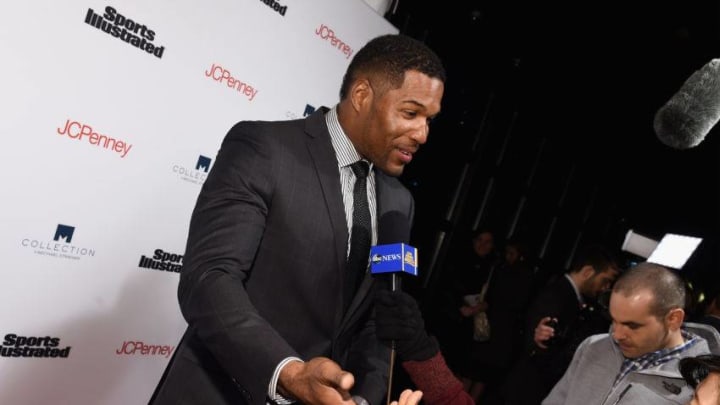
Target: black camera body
{"x":559,"y":335}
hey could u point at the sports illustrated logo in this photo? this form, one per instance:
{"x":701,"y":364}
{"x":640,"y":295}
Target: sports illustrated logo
{"x":196,"y":175}
{"x":126,"y":29}
{"x":139,"y":348}
{"x":162,"y":260}
{"x":82,"y":132}
{"x":327,"y":34}
{"x":60,"y":247}
{"x":219,"y":74}
{"x":308,"y":110}
{"x":280,"y":9}
{"x":14,"y":345}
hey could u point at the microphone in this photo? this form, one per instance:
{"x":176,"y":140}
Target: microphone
{"x":392,"y":256}
{"x":685,"y":120}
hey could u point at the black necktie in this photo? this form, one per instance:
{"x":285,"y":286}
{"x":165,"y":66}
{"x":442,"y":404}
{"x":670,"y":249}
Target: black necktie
{"x":360,"y":235}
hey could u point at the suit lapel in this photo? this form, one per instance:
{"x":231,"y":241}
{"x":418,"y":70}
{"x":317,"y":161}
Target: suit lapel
{"x":326,"y":167}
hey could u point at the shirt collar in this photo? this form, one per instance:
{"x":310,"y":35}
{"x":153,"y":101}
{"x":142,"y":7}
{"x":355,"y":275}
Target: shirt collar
{"x":577,"y":292}
{"x":344,"y":148}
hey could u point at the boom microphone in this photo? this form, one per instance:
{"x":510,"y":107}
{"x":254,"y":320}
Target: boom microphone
{"x":685,"y":120}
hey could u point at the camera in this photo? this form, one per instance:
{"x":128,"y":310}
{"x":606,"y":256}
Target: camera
{"x":559,"y":334}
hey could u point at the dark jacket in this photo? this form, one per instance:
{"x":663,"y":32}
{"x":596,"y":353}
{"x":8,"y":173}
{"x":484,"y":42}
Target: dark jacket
{"x":264,"y":266}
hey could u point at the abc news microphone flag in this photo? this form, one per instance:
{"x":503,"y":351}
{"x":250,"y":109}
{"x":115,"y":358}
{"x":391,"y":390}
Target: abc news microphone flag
{"x":112,"y":116}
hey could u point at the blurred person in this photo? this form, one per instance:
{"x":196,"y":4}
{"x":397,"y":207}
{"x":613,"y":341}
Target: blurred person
{"x":274,"y":313}
{"x":451,"y":319}
{"x":637,"y":362}
{"x":562,"y":315}
{"x":505,"y":304}
{"x":711,"y":314}
{"x":702,"y":373}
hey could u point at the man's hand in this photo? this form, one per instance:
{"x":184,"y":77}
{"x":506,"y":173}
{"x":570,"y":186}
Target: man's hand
{"x":398,"y":319}
{"x":408,"y":397}
{"x":318,"y":381}
{"x":544,"y":332}
{"x":470,"y":310}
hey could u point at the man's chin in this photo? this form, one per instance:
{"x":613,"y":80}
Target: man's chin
{"x":391,"y":169}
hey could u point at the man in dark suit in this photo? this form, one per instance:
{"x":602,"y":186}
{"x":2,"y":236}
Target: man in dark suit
{"x":563,"y":313}
{"x":264,"y":287}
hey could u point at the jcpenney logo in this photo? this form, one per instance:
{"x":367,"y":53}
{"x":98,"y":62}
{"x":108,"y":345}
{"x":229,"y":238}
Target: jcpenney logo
{"x":78,"y":131}
{"x":140,"y":348}
{"x":220,"y":75}
{"x":327,"y":34}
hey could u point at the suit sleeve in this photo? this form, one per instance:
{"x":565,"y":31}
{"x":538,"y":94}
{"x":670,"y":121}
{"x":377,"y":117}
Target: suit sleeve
{"x":225,"y":231}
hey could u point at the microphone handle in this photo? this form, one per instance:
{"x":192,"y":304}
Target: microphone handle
{"x":394,"y":286}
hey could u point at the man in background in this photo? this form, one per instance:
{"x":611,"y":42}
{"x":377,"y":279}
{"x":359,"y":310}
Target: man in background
{"x":561,"y":316}
{"x":637,"y":363}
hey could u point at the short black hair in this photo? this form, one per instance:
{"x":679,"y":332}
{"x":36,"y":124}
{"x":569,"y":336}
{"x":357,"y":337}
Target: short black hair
{"x":667,"y":287}
{"x":696,"y":369}
{"x":596,"y":256}
{"x":388,"y":57}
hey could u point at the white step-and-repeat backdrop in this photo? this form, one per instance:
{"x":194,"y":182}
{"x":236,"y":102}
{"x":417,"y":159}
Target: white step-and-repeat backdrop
{"x":112,"y":114}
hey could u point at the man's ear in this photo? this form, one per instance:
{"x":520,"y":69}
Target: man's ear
{"x":361,"y":93}
{"x":675,"y":318}
{"x":586,"y":272}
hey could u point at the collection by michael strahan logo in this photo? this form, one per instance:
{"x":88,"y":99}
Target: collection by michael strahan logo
{"x":126,"y":29}
{"x":196,"y":175}
{"x":14,"y":345}
{"x":140,"y":348}
{"x":162,"y":260}
{"x":60,"y":246}
{"x":309,"y":109}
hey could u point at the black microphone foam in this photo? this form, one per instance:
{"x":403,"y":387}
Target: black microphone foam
{"x":393,"y":227}
{"x":685,"y":120}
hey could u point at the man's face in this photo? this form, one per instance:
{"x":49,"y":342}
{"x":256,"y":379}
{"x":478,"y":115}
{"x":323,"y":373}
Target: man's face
{"x":512,"y":254}
{"x":599,"y":282}
{"x":396,"y":121}
{"x":483,"y":244}
{"x":634,"y":328}
{"x":708,"y":391}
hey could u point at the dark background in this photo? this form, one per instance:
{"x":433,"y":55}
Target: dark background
{"x":546,"y":131}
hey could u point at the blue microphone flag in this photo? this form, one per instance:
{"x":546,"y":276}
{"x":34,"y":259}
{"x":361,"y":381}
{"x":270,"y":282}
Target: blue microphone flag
{"x":393,"y":258}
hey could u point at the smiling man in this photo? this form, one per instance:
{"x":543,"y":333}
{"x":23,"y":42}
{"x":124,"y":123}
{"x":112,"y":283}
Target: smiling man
{"x":275,"y":285}
{"x":637,"y":362}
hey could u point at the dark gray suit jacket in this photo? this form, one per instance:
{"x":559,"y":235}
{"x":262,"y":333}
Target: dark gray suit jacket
{"x":263,"y":272}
